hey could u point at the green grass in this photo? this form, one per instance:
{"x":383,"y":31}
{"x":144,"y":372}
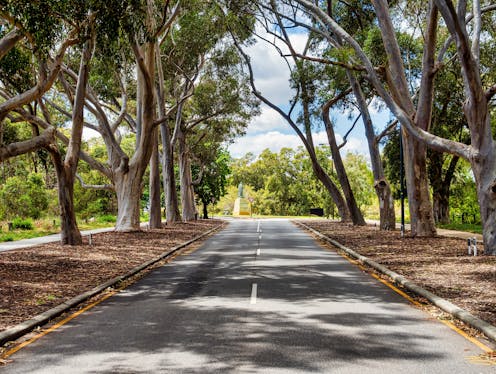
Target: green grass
{"x":468,"y":227}
{"x":11,"y":236}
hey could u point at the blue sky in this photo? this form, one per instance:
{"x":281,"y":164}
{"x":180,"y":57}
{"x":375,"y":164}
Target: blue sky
{"x":270,"y":130}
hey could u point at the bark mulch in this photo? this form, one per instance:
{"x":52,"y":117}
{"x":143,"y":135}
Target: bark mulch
{"x":36,"y":279}
{"x":440,"y":265}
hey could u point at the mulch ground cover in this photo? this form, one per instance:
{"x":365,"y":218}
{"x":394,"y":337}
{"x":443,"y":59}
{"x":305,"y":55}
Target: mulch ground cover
{"x":36,"y":279}
{"x":440,"y":265}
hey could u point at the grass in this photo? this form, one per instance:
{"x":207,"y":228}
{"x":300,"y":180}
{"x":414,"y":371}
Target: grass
{"x":468,"y":227}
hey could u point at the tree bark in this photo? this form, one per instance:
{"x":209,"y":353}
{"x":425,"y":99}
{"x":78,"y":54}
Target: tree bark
{"x":171,"y":201}
{"x":356,"y":215}
{"x":421,"y":214}
{"x":381,"y":185}
{"x":189,"y":211}
{"x":69,"y":232}
{"x":205,"y":210}
{"x":128,"y":188}
{"x":155,"y":220}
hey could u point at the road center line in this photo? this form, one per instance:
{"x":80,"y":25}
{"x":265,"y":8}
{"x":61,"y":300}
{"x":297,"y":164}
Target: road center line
{"x":258,"y":227}
{"x":258,"y":252}
{"x":253,"y":298}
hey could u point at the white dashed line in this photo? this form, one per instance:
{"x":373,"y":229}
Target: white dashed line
{"x":253,"y":298}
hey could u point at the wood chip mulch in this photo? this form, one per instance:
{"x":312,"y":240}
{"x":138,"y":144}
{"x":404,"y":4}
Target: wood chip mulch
{"x":440,"y":265}
{"x":33,"y":280}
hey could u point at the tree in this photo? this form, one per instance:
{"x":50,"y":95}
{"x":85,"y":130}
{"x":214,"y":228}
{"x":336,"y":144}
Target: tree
{"x":214,"y":181}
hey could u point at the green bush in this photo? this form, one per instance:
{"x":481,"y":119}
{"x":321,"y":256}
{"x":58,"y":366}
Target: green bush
{"x":107,"y":218}
{"x":23,"y":197}
{"x":22,"y":224}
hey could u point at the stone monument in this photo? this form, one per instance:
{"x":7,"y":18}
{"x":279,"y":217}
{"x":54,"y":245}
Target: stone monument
{"x":242,"y":206}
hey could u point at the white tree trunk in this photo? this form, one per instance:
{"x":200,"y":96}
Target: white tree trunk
{"x":128,"y":187}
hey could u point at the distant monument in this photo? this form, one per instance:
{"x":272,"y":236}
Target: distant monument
{"x":242,"y":206}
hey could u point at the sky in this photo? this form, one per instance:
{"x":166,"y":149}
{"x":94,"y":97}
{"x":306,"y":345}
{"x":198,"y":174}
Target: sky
{"x":269,"y":129}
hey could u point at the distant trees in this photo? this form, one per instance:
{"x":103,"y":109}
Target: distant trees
{"x":284,"y":183}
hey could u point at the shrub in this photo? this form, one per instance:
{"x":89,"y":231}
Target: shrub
{"x":107,"y":218}
{"x":22,"y":224}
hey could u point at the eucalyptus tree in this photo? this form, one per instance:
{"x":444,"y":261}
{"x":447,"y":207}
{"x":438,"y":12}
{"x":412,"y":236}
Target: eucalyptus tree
{"x":305,"y":83}
{"x":478,"y":93}
{"x":305,"y":135}
{"x":202,"y":75}
{"x":42,"y":35}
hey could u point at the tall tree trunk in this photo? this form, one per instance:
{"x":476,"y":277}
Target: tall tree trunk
{"x":205,"y":210}
{"x":189,"y":211}
{"x":171,"y":202}
{"x":417,"y":184}
{"x":381,"y":185}
{"x":128,"y":188}
{"x":356,"y":215}
{"x":421,"y":214}
{"x":155,"y":220}
{"x":69,"y":231}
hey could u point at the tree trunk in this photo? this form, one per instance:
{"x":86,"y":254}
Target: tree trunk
{"x":205,"y":210}
{"x":171,"y":202}
{"x":69,"y":231}
{"x":128,"y":188}
{"x":189,"y":211}
{"x":155,"y":220}
{"x":381,"y":185}
{"x":355,"y":214}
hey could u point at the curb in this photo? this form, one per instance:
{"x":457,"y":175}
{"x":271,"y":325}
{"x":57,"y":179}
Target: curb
{"x":471,"y":320}
{"x":23,"y":328}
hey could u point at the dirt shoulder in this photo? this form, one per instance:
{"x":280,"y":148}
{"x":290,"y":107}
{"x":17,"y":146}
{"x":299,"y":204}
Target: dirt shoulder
{"x":440,"y":265}
{"x":35,"y":279}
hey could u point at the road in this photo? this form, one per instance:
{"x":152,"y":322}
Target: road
{"x":259,"y":297}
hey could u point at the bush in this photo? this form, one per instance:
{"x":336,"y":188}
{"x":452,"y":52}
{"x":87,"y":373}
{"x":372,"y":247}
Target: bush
{"x":107,"y":218}
{"x":22,"y":224}
{"x":23,"y":197}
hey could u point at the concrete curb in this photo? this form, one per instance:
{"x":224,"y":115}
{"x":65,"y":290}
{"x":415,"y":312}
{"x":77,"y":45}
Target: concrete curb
{"x":29,"y":325}
{"x":473,"y":321}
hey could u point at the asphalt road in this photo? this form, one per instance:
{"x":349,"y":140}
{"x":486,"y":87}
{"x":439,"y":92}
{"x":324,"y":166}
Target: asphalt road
{"x":253,"y":302}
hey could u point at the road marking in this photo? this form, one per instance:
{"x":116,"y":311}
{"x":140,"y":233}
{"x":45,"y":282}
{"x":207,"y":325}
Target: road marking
{"x":258,"y":252}
{"x":258,"y":227}
{"x":253,"y":298}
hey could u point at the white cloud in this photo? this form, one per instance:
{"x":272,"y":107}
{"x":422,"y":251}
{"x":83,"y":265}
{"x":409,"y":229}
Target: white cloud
{"x":268,"y":120}
{"x":275,"y":141}
{"x":271,"y":71}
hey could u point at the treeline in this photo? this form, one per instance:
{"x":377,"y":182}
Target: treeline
{"x":160,"y":83}
{"x":284,"y":184}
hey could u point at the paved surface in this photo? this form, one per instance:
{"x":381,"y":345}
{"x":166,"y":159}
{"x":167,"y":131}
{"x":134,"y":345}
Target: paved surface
{"x":251,"y":302}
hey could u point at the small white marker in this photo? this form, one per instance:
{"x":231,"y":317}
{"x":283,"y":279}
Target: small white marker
{"x":258,"y":252}
{"x":258,"y":227}
{"x":253,"y":298}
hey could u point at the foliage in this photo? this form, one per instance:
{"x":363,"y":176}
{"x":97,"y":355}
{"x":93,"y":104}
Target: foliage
{"x":214,"y":181}
{"x":22,"y":224}
{"x":23,"y":197}
{"x":284,"y":184}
